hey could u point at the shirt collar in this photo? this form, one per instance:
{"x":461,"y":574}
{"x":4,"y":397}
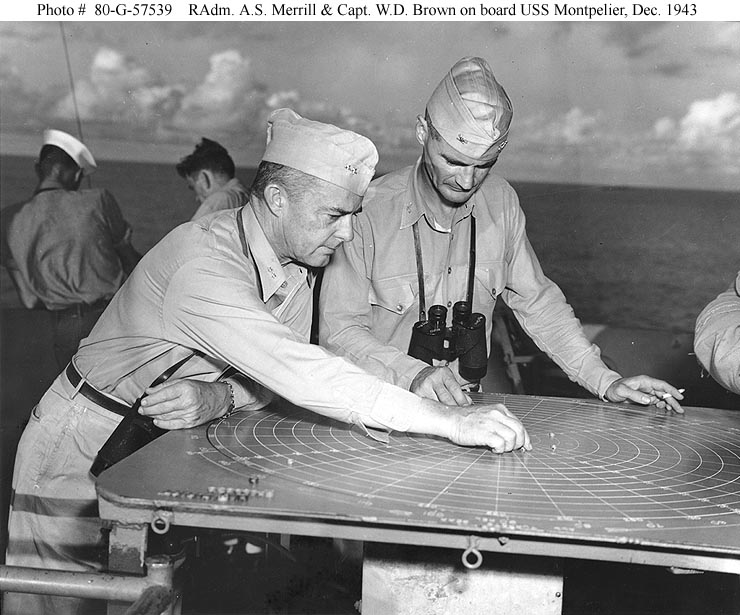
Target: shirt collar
{"x":414,"y":200}
{"x":232,"y":183}
{"x":270,"y":271}
{"x":413,"y":208}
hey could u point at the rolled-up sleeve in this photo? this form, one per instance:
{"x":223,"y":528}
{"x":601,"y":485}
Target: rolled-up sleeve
{"x":210,"y":306}
{"x":544,"y":313}
{"x":717,"y":337}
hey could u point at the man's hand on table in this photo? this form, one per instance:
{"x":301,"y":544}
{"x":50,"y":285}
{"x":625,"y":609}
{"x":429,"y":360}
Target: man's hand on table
{"x":645,"y":390}
{"x":439,"y":384}
{"x":491,"y":425}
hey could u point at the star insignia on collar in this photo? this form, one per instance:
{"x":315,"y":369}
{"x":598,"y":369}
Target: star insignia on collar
{"x":462,"y":139}
{"x":351,"y":169}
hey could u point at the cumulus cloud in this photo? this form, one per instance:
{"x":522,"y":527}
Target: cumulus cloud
{"x":710,"y":127}
{"x":229,"y":97}
{"x":120,"y":90}
{"x":711,"y":124}
{"x":120,"y":97}
{"x":724,"y":38}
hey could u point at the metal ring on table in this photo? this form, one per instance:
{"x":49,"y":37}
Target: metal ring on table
{"x":161,"y":521}
{"x":473,"y":551}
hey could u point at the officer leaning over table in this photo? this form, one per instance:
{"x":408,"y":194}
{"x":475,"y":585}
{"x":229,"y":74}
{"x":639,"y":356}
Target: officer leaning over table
{"x":232,"y":291}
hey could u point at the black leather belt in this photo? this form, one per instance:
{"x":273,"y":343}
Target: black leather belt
{"x":93,"y":394}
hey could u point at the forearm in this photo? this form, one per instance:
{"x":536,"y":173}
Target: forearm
{"x":25,"y":294}
{"x":549,"y":320}
{"x":388,"y":363}
{"x":434,"y":419}
{"x":717,"y":338}
{"x":558,"y":333}
{"x":724,"y":361}
{"x":248,"y":394}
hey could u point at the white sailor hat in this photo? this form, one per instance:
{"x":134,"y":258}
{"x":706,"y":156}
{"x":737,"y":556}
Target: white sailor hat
{"x":75,"y":148}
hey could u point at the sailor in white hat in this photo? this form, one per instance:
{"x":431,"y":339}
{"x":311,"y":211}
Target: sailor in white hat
{"x":67,"y":250}
{"x":73,"y":147}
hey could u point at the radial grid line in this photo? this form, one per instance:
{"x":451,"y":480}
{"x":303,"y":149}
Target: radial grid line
{"x":425,"y":470}
{"x":580,"y":487}
{"x":702,"y":460}
{"x":544,"y":491}
{"x":318,"y":464}
{"x":556,"y":408}
{"x":675,"y":487}
{"x":733,"y":453}
{"x":482,"y":398}
{"x":459,"y":475}
{"x":498,"y":488}
{"x":633,"y":439}
{"x":625,"y":489}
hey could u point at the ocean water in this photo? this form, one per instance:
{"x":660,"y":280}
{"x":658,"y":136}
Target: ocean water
{"x":624,"y":256}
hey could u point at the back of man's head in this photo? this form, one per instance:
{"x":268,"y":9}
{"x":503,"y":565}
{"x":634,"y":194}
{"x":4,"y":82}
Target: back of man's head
{"x":470,"y":109}
{"x":53,"y":158}
{"x":64,"y":157}
{"x":207,"y":155}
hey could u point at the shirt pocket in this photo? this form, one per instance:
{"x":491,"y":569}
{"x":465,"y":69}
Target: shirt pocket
{"x":396,"y":295}
{"x":490,"y":281}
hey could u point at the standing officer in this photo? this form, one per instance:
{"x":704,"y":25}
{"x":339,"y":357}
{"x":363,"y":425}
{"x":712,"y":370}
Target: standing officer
{"x":448,"y":230}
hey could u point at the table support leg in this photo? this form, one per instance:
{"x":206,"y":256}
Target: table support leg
{"x":127,"y":545}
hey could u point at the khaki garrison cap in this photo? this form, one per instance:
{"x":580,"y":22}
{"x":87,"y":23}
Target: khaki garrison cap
{"x":338,"y":156}
{"x":471,"y":110}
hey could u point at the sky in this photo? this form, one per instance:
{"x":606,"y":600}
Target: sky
{"x":624,"y":103}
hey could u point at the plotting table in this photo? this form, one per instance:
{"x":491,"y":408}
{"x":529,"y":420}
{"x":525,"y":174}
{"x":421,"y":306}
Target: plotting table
{"x":603,"y":481}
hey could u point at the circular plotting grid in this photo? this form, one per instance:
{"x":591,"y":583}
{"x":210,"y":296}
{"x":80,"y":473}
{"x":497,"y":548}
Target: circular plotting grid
{"x":593,"y":466}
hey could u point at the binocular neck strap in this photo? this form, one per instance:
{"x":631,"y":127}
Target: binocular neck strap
{"x":471,"y":262}
{"x":420,"y":273}
{"x":420,"y":267}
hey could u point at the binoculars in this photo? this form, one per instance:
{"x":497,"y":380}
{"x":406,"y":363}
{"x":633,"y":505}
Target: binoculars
{"x":464,"y":340}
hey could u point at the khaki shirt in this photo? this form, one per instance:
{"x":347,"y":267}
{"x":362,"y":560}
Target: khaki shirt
{"x":717,"y":337}
{"x":201,"y":288}
{"x":369,"y":296}
{"x":232,"y":195}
